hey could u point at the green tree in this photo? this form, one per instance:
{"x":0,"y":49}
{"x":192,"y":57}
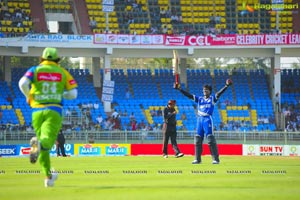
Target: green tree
{"x":161,"y":62}
{"x":296,"y":65}
{"x":24,"y":61}
{"x":211,"y":63}
{"x":66,"y":63}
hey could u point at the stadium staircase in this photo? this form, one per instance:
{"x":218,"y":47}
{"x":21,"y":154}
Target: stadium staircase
{"x":38,"y":16}
{"x":37,"y":12}
{"x":81,"y":16}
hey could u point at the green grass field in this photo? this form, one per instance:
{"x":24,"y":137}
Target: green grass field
{"x":152,"y":177}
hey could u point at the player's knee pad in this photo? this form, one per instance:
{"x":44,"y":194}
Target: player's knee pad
{"x":211,"y":140}
{"x":198,"y":140}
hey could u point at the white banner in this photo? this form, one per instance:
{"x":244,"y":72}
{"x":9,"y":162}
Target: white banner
{"x":107,"y":97}
{"x":129,"y":39}
{"x":108,"y":90}
{"x":107,"y":83}
{"x":123,"y":39}
{"x":271,"y":150}
{"x":58,"y":38}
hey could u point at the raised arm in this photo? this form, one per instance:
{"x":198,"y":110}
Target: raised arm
{"x":185,"y":93}
{"x":222,"y":90}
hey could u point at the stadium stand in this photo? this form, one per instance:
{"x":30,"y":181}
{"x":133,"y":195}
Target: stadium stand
{"x":144,"y":16}
{"x":15,"y":18}
{"x":150,"y":92}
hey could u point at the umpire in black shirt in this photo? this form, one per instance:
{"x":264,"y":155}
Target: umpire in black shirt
{"x":169,"y":129}
{"x":60,"y":142}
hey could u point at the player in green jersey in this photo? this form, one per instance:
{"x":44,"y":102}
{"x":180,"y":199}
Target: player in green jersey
{"x":45,"y":86}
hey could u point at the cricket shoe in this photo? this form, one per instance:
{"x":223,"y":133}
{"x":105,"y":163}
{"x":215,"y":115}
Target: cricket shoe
{"x":34,"y":150}
{"x":49,"y":182}
{"x":215,"y":162}
{"x":179,"y":155}
{"x":165,"y":156}
{"x":196,"y":162}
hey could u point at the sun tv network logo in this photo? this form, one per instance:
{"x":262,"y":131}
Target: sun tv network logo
{"x":278,"y":5}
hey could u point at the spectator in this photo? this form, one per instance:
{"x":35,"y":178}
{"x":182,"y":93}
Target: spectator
{"x":109,"y":124}
{"x":125,"y":17}
{"x":90,"y":105}
{"x":137,"y":7}
{"x":212,"y":21}
{"x":130,"y":19}
{"x":96,"y":105}
{"x":277,"y":102}
{"x":127,"y":94}
{"x":141,"y":125}
{"x":183,"y":116}
{"x":164,"y":29}
{"x":93,"y":24}
{"x":9,"y":100}
{"x":68,"y":114}
{"x":99,"y":119}
{"x":162,"y":12}
{"x":132,"y":117}
{"x":124,"y":113}
{"x":117,"y":123}
{"x":159,"y":112}
{"x":156,"y":128}
{"x":260,"y":119}
{"x":74,"y":112}
{"x":153,"y":30}
{"x":174,"y":19}
{"x":153,"y":112}
{"x":179,"y":19}
{"x":168,"y":13}
{"x":115,"y":114}
{"x":218,"y":19}
{"x":133,"y":125}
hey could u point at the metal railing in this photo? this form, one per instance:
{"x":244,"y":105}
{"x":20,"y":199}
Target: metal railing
{"x":140,"y":137}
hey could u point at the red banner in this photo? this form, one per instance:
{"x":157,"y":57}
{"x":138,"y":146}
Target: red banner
{"x":188,"y":149}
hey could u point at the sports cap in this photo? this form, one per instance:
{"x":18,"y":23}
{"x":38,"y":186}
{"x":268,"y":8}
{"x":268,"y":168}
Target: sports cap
{"x":50,"y":54}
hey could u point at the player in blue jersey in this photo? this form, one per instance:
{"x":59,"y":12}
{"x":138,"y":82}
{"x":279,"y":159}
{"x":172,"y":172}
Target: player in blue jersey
{"x":205,"y":105}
